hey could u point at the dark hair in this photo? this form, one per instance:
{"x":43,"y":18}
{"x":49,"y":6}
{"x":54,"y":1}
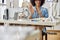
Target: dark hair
{"x":33,"y":2}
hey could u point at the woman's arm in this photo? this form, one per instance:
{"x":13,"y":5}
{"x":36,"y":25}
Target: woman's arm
{"x":43,"y":13}
{"x":31,"y":10}
{"x":39,"y":12}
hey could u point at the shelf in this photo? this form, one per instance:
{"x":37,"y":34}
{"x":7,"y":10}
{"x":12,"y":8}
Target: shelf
{"x":26,"y":22}
{"x":2,"y":22}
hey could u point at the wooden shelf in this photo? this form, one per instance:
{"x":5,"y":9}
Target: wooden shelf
{"x":26,"y":22}
{"x":2,"y":22}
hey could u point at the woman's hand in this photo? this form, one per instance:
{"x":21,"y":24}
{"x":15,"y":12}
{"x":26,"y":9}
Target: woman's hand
{"x":39,"y":10}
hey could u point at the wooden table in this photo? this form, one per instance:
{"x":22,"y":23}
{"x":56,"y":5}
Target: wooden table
{"x":39,"y":25}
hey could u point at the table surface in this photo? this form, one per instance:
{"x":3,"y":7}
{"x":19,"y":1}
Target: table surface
{"x":34,"y":22}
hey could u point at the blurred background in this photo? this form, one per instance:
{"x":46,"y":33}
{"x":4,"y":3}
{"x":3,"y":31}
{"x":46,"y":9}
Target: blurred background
{"x":12,"y":10}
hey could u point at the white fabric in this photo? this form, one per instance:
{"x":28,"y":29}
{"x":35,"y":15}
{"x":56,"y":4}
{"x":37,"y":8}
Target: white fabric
{"x":14,"y":32}
{"x":35,"y":32}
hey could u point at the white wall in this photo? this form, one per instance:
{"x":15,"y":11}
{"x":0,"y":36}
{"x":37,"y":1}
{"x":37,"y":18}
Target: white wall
{"x":15,"y":3}
{"x":0,"y":1}
{"x":20,"y":2}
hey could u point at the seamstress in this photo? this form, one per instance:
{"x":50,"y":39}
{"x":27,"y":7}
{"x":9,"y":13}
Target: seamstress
{"x":37,"y":11}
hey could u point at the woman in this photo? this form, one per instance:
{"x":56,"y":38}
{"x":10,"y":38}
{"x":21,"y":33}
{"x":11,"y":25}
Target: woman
{"x":37,"y":11}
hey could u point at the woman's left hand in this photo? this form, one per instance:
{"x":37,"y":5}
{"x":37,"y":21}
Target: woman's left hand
{"x":39,"y":12}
